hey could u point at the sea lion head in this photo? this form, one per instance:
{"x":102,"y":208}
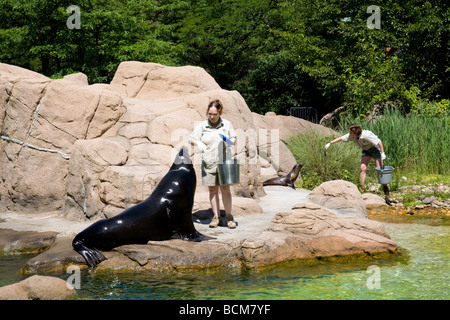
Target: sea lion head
{"x":182,"y":159}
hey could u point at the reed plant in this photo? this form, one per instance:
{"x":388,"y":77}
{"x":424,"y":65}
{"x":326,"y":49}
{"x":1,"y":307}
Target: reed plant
{"x":415,"y":145}
{"x":413,"y":142}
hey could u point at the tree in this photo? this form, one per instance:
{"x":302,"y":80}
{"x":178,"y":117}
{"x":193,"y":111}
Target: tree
{"x":34,"y":34}
{"x":241,"y":44}
{"x":364,"y":66}
{"x":228,"y":37}
{"x":276,"y":84}
{"x":277,"y":53}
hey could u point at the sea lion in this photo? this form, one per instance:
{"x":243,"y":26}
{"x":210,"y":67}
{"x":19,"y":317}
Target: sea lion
{"x":165,"y":214}
{"x":386,"y":193}
{"x":287,"y":180}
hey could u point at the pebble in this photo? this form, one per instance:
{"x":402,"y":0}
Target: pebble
{"x":423,"y":190}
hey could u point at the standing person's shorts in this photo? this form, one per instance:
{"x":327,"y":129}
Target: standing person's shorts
{"x":373,"y":152}
{"x":210,"y":177}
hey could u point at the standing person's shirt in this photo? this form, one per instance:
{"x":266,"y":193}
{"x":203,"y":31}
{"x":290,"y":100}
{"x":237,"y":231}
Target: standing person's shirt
{"x":366,"y":141}
{"x":209,"y":135}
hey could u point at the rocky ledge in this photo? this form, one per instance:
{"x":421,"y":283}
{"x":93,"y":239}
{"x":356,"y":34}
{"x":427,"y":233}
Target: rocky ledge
{"x":295,"y":225}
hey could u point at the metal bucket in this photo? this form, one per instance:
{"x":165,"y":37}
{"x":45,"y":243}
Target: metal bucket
{"x":384,"y":174}
{"x":228,"y":172}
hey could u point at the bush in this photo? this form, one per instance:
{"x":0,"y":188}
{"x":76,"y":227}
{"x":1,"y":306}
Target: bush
{"x":414,"y":145}
{"x":342,"y":160}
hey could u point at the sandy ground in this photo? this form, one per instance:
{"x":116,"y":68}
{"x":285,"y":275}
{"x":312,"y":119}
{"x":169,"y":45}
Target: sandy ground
{"x":277,"y":199}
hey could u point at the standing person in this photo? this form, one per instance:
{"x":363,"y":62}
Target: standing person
{"x":206,"y":137}
{"x":371,"y":146}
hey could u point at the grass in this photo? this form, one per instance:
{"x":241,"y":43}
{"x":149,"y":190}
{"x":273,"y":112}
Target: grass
{"x":342,"y":161}
{"x":413,"y":143}
{"x":416,"y":146}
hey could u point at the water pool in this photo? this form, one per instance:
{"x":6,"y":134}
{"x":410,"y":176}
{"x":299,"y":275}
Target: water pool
{"x":420,"y":271}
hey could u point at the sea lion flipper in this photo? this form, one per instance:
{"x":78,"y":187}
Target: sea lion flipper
{"x":92,"y":256}
{"x":195,"y":237}
{"x":201,"y":237}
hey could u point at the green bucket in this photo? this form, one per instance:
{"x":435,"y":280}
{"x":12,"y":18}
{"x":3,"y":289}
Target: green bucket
{"x":384,"y":174}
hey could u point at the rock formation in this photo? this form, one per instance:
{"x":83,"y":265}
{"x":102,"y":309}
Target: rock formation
{"x":25,"y":242}
{"x":340,"y":195}
{"x":38,"y":288}
{"x":93,"y":150}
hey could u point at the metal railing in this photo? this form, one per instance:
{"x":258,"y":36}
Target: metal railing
{"x":307,"y":113}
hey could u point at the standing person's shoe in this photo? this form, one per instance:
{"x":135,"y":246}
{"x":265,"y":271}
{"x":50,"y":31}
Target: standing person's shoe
{"x":230,"y":221}
{"x":214,"y":222}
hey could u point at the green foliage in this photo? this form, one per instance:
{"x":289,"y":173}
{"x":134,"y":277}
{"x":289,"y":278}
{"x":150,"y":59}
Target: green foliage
{"x":414,"y":145}
{"x":34,"y":34}
{"x":281,"y":85}
{"x":277,"y":53}
{"x":363,"y":66}
{"x":425,"y":107}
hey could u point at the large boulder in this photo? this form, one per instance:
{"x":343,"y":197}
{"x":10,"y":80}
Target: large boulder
{"x":149,"y":81}
{"x":330,"y":233}
{"x":341,"y":196}
{"x":332,"y":118}
{"x":374,"y":202}
{"x":40,"y":121}
{"x":38,"y":288}
{"x":288,"y":126}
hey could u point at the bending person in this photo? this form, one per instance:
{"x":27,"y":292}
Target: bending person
{"x":371,"y":146}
